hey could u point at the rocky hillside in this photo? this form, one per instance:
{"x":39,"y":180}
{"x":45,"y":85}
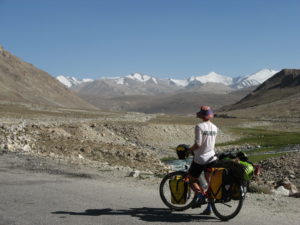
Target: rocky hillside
{"x":21,"y":82}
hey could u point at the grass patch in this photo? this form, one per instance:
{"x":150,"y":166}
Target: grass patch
{"x":257,"y":158}
{"x":264,"y":138}
{"x":268,"y":140}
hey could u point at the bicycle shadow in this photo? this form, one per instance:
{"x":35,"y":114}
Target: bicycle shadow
{"x":145,"y":214}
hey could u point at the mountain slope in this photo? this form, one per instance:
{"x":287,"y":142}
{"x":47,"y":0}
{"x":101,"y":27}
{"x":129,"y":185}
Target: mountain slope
{"x":277,"y":97}
{"x":23,"y":83}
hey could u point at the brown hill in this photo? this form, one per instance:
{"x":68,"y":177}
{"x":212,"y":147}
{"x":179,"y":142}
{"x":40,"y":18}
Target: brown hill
{"x":21,"y":82}
{"x":278,"y":97}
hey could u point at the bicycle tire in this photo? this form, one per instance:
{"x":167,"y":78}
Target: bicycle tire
{"x":223,"y":213}
{"x":165,"y":194}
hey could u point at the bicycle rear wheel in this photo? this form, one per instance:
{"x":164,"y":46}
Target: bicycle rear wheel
{"x":165,"y":193}
{"x":229,"y":209}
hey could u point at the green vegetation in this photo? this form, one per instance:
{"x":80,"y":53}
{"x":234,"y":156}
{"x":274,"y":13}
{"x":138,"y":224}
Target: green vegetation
{"x":268,"y":140}
{"x":257,"y":158}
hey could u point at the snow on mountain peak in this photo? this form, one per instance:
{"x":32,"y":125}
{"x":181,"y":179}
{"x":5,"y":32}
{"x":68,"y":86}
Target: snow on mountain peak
{"x":72,"y":81}
{"x":262,"y":75}
{"x":213,"y":78}
{"x":254,"y":79}
{"x":141,"y":77}
{"x":194,"y":81}
{"x":179,"y":83}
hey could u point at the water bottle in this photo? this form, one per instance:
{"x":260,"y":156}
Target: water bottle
{"x":202,"y":181}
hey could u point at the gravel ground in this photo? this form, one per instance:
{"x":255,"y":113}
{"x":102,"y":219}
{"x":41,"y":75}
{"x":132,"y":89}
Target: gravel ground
{"x":87,"y":194}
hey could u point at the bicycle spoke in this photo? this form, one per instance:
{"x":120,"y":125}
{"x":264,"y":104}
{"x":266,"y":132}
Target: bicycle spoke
{"x":227,"y":210}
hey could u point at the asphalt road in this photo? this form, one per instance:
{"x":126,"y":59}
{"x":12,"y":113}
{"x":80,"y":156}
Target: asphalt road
{"x":38,"y":198}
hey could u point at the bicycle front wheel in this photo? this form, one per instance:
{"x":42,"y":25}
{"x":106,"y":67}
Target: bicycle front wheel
{"x":166,"y":195}
{"x":229,"y":209}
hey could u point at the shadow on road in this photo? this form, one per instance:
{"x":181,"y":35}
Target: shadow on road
{"x":145,"y":214}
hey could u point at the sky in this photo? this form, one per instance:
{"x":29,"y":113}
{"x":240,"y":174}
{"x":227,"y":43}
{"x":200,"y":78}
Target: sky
{"x":163,"y":38}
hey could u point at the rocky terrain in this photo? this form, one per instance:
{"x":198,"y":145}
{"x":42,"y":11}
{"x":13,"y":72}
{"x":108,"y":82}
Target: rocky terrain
{"x":130,"y":142}
{"x":282,"y":171}
{"x":78,"y":141}
{"x":122,"y":142}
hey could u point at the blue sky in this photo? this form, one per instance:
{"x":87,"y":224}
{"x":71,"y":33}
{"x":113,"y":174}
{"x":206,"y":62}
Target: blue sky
{"x":163,"y":38}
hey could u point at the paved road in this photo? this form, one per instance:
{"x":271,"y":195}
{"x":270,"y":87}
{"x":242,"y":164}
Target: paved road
{"x":37,"y":198}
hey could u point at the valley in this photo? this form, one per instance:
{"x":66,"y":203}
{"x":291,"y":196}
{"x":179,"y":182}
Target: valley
{"x":56,"y":136}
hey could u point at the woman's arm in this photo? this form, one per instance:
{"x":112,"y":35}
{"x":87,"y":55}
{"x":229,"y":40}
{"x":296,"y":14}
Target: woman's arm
{"x":194,"y":147}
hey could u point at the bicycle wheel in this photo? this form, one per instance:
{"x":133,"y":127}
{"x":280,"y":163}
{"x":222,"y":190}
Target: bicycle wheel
{"x":229,"y":209}
{"x":166,"y":196}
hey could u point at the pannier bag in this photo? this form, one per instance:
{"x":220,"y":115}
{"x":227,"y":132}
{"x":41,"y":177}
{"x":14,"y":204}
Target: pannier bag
{"x":235,"y":192}
{"x":216,"y":183}
{"x":179,"y":190}
{"x":236,"y":170}
{"x":220,"y":184}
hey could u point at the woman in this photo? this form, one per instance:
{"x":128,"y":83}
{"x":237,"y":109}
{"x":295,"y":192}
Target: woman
{"x":204,"y":152}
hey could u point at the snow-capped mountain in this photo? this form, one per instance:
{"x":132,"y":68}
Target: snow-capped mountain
{"x":142,"y":78}
{"x":135,"y":77}
{"x":210,"y":78}
{"x":253,"y":79}
{"x":137,"y":80}
{"x":179,"y":83}
{"x":72,"y":81}
{"x":200,"y":80}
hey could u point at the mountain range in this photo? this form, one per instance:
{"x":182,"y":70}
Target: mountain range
{"x":137,"y":79}
{"x":276,"y":96}
{"x":149,"y":94}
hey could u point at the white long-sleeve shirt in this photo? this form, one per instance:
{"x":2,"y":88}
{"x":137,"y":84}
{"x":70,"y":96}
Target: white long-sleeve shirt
{"x":205,"y":137}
